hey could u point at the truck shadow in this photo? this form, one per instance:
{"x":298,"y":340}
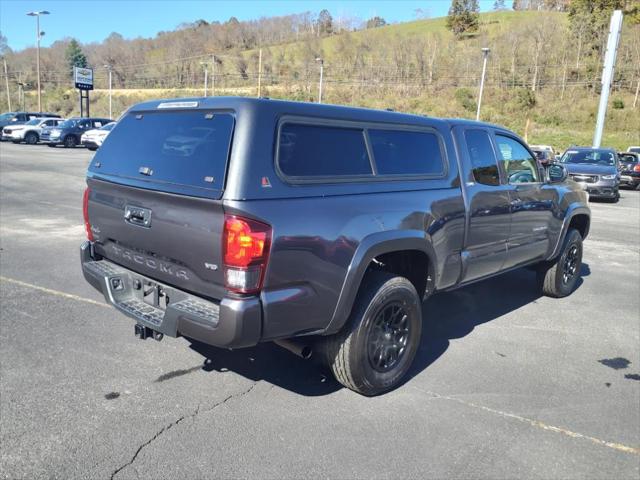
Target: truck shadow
{"x":455,"y":314}
{"x":447,"y":316}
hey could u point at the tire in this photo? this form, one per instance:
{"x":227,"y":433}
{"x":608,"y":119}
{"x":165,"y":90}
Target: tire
{"x":31,"y":138}
{"x":70,"y":141}
{"x":93,"y":149}
{"x":387,"y":310}
{"x":559,"y":278}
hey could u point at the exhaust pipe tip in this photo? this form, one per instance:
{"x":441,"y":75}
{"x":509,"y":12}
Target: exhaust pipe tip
{"x":298,"y":348}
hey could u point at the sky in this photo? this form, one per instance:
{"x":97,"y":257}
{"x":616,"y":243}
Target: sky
{"x":93,"y":20}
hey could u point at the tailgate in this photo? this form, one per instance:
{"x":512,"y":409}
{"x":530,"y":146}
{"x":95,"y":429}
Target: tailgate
{"x":172,"y":238}
{"x":155,"y":195}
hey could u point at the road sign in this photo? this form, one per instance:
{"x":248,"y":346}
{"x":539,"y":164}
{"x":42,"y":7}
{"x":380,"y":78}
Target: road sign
{"x":83,"y":78}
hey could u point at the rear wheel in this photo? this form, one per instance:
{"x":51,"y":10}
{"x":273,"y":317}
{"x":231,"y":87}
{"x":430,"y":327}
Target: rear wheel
{"x":70,"y":141}
{"x":560,"y":277}
{"x":31,"y":138}
{"x":377,"y":346}
{"x":93,"y":149}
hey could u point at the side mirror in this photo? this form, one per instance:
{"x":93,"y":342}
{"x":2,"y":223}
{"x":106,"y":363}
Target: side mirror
{"x":557,"y":173}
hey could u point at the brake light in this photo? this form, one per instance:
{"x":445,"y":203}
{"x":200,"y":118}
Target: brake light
{"x":245,"y":247}
{"x":636,"y":168}
{"x":85,"y":213}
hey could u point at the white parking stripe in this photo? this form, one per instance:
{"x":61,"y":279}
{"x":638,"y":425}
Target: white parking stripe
{"x":538,"y":424}
{"x":52,"y":292}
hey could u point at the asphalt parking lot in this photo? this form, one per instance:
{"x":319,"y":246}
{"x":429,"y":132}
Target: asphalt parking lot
{"x":506,"y":384}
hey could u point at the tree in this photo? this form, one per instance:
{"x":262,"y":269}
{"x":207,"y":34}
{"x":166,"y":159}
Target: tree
{"x":499,"y":5}
{"x":75,"y":56}
{"x":325,"y":23}
{"x":589,"y":22}
{"x":376,"y":22}
{"x":463,"y":16}
{"x":4,"y":46}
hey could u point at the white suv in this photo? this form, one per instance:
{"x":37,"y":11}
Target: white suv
{"x":30,"y":131}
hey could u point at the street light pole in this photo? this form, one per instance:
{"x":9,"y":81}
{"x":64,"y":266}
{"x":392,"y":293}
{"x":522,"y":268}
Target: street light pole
{"x":108,"y":67}
{"x":485,"y":54}
{"x":38,"y":36}
{"x":321,"y":62}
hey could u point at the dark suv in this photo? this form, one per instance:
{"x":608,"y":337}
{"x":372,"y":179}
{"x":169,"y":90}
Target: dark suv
{"x":234,"y":221}
{"x":68,"y":133}
{"x":629,"y":169}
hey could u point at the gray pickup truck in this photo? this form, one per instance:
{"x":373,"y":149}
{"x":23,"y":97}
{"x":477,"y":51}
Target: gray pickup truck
{"x":234,"y":221}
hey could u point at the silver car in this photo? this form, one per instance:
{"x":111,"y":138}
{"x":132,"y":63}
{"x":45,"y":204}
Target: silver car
{"x":596,"y":169}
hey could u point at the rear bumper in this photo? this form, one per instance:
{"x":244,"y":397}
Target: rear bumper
{"x":230,"y":323}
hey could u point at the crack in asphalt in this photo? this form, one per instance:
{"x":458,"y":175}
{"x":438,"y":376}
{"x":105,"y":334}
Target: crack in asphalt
{"x":168,"y":427}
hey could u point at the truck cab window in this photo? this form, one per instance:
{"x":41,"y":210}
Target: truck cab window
{"x":520,"y":166}
{"x":483,"y":160}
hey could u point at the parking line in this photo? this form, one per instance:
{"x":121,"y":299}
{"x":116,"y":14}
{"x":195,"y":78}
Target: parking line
{"x":52,"y":292}
{"x":539,"y":424}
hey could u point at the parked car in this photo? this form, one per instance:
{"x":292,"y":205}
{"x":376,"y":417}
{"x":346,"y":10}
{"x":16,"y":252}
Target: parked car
{"x":30,"y":131}
{"x":68,"y":133}
{"x":93,"y":138}
{"x":596,"y":169}
{"x":20,"y":118}
{"x":545,"y":157}
{"x":316,"y":226}
{"x":629,"y":169}
{"x":546,"y":148}
{"x":633,"y":149}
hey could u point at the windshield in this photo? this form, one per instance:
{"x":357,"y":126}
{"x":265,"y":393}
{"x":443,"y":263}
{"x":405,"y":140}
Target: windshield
{"x":635,"y":149}
{"x":589,"y":157}
{"x":627,"y":158}
{"x":34,"y":121}
{"x":6,"y":116}
{"x":68,"y":124}
{"x":108,"y":126}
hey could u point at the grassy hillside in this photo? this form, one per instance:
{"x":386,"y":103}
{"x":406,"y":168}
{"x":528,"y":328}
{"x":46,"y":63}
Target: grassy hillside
{"x":556,"y":117}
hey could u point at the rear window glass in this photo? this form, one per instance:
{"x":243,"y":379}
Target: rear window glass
{"x":184,"y":148}
{"x":406,"y":153}
{"x":322,"y":151}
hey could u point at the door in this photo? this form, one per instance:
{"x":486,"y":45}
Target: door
{"x":487,"y":201}
{"x":532,"y":203}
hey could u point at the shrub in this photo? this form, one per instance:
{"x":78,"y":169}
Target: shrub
{"x":465,"y":98}
{"x":618,"y":104}
{"x":525,"y":98}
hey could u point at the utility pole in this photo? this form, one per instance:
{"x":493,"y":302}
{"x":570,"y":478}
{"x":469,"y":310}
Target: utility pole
{"x":607,"y":73}
{"x":213,"y":75}
{"x":108,"y":67}
{"x":485,"y":54}
{"x":38,"y":37}
{"x":6,"y":80}
{"x":321,"y":62}
{"x":259,"y":73}
{"x":206,"y":74}
{"x":635,"y":99}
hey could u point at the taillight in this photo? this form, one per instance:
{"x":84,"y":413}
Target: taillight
{"x":636,"y":168}
{"x":245,"y":248}
{"x":85,"y":213}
